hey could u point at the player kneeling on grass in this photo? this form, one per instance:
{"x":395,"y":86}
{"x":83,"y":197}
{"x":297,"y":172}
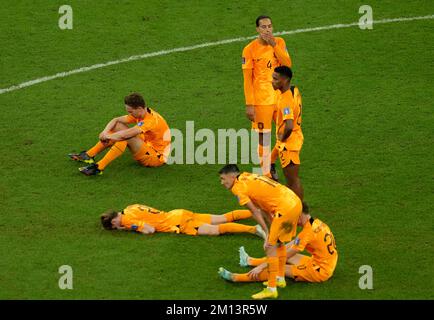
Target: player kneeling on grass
{"x":315,"y":237}
{"x":147,"y":220}
{"x":148,"y":140}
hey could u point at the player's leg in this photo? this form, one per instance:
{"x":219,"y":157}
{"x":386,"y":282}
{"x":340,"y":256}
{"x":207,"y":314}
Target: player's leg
{"x":144,"y":153}
{"x":116,"y":150}
{"x":292,"y":178}
{"x":231,"y":216}
{"x":215,"y":230}
{"x":273,"y":266}
{"x":262,"y":124}
{"x":246,"y":260}
{"x":261,"y":275}
{"x":296,"y":259}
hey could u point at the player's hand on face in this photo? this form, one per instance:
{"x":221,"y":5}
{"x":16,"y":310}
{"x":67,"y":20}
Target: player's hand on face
{"x":250,"y":112}
{"x":269,"y":38}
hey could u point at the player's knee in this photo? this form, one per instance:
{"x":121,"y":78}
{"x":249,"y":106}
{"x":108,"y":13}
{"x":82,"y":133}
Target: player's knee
{"x":208,"y":230}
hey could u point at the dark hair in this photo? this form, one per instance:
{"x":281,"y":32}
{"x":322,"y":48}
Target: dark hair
{"x":305,"y":209}
{"x":229,"y":168}
{"x":284,"y":71}
{"x":134,"y":100}
{"x":258,"y":19}
{"x":106,"y":219}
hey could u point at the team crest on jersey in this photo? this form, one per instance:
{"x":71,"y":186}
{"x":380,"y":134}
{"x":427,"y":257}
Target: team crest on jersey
{"x":140,"y":123}
{"x":287,"y":110}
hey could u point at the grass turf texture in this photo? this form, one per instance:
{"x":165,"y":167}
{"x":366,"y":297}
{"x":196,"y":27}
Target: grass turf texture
{"x":366,"y":160}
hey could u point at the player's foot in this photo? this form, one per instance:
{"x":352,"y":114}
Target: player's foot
{"x":244,"y":257}
{"x":280,"y":283}
{"x":273,"y":172}
{"x":225,"y":274}
{"x":91,"y":170}
{"x":260,"y":232}
{"x":82,"y":157}
{"x":267,"y":293}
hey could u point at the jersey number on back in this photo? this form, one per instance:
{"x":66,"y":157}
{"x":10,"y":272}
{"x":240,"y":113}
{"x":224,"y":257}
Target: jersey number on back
{"x":331,"y":242}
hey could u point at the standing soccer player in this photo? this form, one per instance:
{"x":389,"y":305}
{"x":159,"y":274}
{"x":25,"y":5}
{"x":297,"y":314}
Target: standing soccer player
{"x":148,"y":140}
{"x":273,"y":205}
{"x":259,"y":59}
{"x":289,"y":137}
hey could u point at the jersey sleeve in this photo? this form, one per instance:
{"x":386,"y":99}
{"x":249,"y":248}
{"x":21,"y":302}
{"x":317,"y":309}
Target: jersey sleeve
{"x":282,"y":53}
{"x":302,"y":240}
{"x":134,"y":225}
{"x":240,"y":191}
{"x":147,"y":125}
{"x":247,"y":59}
{"x":130,"y":119}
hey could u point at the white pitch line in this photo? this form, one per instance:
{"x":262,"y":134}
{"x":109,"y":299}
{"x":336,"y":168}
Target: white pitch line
{"x":198,"y":46}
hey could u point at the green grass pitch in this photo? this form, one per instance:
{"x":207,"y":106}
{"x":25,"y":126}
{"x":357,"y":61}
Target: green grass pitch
{"x":367,"y":160}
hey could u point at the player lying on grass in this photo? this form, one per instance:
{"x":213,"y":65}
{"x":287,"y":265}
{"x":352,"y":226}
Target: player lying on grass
{"x":148,"y":140}
{"x":147,"y":220}
{"x":315,"y":237}
{"x":276,"y":208}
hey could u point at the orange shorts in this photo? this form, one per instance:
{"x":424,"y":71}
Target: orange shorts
{"x":307,"y":270}
{"x":148,"y":156}
{"x":264,"y":115}
{"x":287,"y":156}
{"x":284,"y":225}
{"x":191,"y":222}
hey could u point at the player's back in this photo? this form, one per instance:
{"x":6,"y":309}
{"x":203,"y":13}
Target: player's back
{"x":322,"y":245}
{"x":155,"y":128}
{"x":162,"y":221}
{"x":268,"y":194}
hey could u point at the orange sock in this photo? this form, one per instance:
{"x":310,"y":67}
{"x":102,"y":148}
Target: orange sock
{"x":281,"y":255}
{"x":256,"y":261}
{"x":244,"y":277}
{"x":235,"y":228}
{"x":115,"y":151}
{"x":92,"y":152}
{"x":273,"y":266}
{"x":274,"y":155}
{"x":237,"y":215}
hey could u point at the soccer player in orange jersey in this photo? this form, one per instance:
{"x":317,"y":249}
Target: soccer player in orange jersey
{"x":289,"y":137}
{"x":259,"y":58}
{"x":148,"y":140}
{"x":316,"y":237}
{"x":273,"y":205}
{"x":147,"y":220}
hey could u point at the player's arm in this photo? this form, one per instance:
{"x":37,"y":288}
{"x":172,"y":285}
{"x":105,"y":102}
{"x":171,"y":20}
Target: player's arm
{"x":282,"y":55}
{"x":111,"y":125}
{"x":124,"y":134}
{"x":258,"y":216}
{"x":255,"y":272}
{"x":147,"y":229}
{"x":289,"y":126}
{"x":248,"y":93}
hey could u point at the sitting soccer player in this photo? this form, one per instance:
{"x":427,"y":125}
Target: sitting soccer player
{"x":315,"y":237}
{"x":147,"y":220}
{"x":148,"y":140}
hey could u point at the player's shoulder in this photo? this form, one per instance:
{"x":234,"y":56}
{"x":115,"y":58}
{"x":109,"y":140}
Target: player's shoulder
{"x":279,"y":40}
{"x":251,"y":45}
